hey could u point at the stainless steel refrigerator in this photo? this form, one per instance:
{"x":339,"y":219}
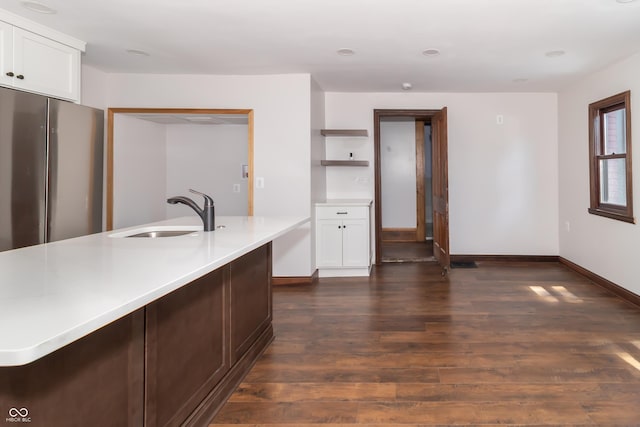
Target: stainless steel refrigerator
{"x":51,"y":169}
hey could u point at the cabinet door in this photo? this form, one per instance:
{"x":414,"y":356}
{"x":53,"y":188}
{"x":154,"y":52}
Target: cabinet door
{"x":329,"y":243}
{"x":250,"y":295}
{"x":46,"y":66}
{"x":355,"y":243}
{"x":95,"y":381}
{"x":6,"y":54}
{"x":185,"y":349}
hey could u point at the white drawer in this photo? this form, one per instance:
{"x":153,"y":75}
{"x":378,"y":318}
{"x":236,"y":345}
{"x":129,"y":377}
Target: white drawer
{"x":342,"y":212}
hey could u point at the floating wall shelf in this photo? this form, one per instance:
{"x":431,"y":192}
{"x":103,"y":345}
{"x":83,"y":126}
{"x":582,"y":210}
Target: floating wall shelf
{"x":344,"y":132}
{"x":344,"y":162}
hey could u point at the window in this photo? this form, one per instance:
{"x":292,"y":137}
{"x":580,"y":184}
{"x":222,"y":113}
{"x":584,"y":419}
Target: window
{"x":610,"y":157}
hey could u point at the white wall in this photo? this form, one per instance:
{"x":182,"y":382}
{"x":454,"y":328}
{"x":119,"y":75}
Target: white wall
{"x":281,"y":105}
{"x":93,"y":93}
{"x":398,"y":173}
{"x":318,"y":172}
{"x":604,"y":246}
{"x":209,"y":159}
{"x":503,"y":179}
{"x":139,"y":171}
{"x":93,"y":88}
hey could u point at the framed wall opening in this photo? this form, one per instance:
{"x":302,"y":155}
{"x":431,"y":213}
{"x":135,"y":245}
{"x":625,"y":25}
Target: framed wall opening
{"x":199,"y":118}
{"x":423,"y":225}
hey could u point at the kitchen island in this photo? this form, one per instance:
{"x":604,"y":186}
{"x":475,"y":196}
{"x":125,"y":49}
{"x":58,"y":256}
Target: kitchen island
{"x":113,"y":330}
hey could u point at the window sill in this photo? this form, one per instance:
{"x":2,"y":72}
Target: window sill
{"x":612,"y":215}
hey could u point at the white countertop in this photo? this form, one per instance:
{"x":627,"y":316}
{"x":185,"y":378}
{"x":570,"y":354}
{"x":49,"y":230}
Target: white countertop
{"x":345,"y":202}
{"x":53,"y":294}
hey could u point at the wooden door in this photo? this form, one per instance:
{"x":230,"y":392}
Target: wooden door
{"x":440,"y":190}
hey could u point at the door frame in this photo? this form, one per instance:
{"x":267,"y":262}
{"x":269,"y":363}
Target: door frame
{"x":378,"y":115}
{"x":111,"y":112}
{"x":421,"y":226}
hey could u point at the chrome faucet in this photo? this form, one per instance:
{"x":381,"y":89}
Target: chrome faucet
{"x":206,"y":213}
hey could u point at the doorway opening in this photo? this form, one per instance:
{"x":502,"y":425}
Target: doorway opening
{"x":411,"y":223}
{"x":152,"y":150}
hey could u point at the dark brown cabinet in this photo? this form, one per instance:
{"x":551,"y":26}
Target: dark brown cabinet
{"x":94,"y":381}
{"x":173,"y":362}
{"x":185,"y":349}
{"x":250,"y":299}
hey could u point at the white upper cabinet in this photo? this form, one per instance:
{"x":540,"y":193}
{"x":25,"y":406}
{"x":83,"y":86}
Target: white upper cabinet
{"x":47,"y":67}
{"x":35,"y":63}
{"x":6,"y":54}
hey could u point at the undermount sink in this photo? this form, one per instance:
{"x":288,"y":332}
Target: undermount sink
{"x":161,"y":233}
{"x":154,"y":232}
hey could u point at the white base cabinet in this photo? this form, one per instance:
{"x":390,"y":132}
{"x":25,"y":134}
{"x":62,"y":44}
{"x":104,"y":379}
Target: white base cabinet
{"x":343,"y":238}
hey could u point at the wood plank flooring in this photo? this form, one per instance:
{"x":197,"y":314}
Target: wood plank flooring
{"x":504,"y":344}
{"x":407,"y":251}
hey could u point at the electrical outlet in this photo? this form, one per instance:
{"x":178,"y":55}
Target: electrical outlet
{"x":259,"y":182}
{"x":236,"y":188}
{"x":499,"y":119}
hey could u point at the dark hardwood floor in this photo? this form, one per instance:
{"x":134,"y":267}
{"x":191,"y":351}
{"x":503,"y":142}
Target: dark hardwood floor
{"x":502,"y":344}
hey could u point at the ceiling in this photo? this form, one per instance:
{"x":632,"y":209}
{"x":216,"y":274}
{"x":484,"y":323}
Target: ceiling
{"x":484,"y":45}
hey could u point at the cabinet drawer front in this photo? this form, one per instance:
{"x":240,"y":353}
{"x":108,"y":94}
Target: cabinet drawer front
{"x":336,"y":212}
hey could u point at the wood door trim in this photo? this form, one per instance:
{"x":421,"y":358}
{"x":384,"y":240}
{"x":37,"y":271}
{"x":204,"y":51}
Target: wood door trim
{"x":420,"y":185}
{"x":377,"y":116}
{"x":192,"y":111}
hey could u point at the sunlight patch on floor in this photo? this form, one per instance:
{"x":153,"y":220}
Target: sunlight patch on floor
{"x":629,"y":359}
{"x":543,"y":293}
{"x":566,"y":294}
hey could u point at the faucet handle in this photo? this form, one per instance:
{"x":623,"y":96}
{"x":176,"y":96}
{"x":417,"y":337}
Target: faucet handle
{"x":208,"y":201}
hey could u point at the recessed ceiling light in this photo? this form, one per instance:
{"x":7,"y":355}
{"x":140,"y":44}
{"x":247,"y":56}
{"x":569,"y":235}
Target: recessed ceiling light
{"x":431,"y":52}
{"x":625,"y":1}
{"x":345,"y":51}
{"x":35,"y":6}
{"x":555,"y":53}
{"x":138,"y":52}
{"x":520,"y":80}
{"x":406,"y":86}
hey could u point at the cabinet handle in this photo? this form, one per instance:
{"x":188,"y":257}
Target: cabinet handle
{"x":10,"y":74}
{"x":339,"y":227}
{"x":342,"y":213}
{"x":20,"y":76}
